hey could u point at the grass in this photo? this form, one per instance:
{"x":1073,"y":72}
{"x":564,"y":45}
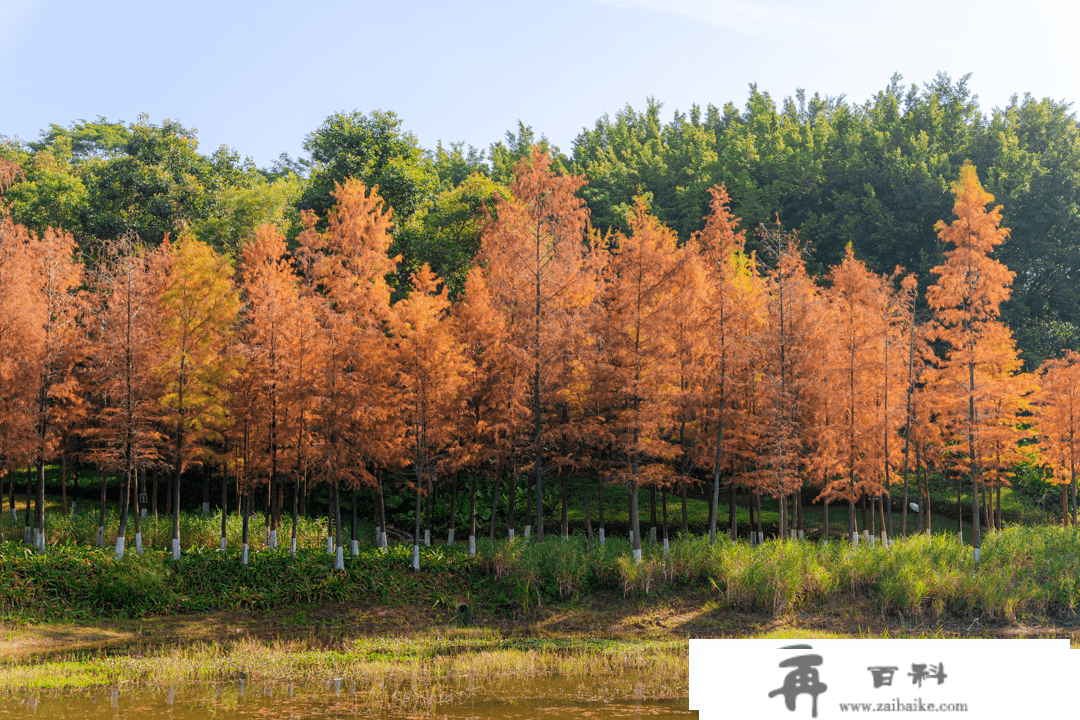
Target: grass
{"x":1024,"y":573}
{"x":415,"y":674}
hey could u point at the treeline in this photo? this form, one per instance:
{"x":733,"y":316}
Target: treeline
{"x":874,"y":175}
{"x":628,"y":356}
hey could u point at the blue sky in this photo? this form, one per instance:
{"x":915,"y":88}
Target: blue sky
{"x":259,"y":77}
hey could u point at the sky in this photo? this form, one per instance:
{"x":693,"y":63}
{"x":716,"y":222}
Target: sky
{"x":260,"y":77}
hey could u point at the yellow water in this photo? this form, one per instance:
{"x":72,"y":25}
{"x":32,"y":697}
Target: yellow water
{"x":549,"y":698}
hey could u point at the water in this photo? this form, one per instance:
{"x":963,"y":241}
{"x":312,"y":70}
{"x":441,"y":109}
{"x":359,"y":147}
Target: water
{"x":524,"y":699}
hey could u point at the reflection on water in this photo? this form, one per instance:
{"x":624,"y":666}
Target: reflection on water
{"x":549,"y":698}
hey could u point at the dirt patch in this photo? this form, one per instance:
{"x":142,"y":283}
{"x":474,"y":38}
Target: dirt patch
{"x":692,"y":614}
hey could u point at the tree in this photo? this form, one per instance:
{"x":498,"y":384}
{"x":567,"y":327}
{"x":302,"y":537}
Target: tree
{"x":57,"y":280}
{"x":1057,"y":409}
{"x":273,"y":314}
{"x":199,"y":305}
{"x":538,"y":266}
{"x":445,"y":232}
{"x":857,"y":300}
{"x":493,"y":391}
{"x":430,"y":369}
{"x":644,"y":284}
{"x":731,"y":296}
{"x":373,"y":150}
{"x":18,"y":333}
{"x":967,"y":297}
{"x":123,"y":356}
{"x":349,"y":265}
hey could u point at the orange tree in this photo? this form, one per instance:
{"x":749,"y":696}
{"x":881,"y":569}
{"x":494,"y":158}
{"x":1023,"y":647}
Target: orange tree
{"x":199,"y":305}
{"x":981,"y":353}
{"x":1057,"y":412}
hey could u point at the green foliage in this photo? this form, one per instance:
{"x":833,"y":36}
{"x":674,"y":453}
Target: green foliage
{"x":373,"y":149}
{"x":1024,"y":572}
{"x":239,"y":209}
{"x":445,"y":232}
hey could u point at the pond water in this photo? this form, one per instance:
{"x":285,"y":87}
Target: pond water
{"x":549,"y":698}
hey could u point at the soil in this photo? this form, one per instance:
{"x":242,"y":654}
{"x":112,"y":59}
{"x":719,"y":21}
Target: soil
{"x":691,"y":614}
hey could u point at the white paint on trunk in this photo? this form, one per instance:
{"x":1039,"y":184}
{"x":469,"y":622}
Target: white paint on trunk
{"x":854,"y":539}
{"x":802,"y":534}
{"x":977,"y":551}
{"x":329,"y":545}
{"x":100,"y":536}
{"x":601,"y":536}
{"x":511,"y":533}
{"x":472,"y":544}
{"x":223,"y":544}
{"x":138,"y":543}
{"x":416,"y":557}
{"x":41,"y":543}
{"x":637,"y":555}
{"x":206,"y":508}
{"x":384,"y":540}
{"x":450,"y":538}
{"x":243,"y":554}
{"x":292,"y":546}
{"x":761,"y":538}
{"x":143,"y":512}
{"x":378,"y":535}
{"x":354,"y":547}
{"x":427,"y":537}
{"x":339,"y":559}
{"x":119,"y":547}
{"x":652,"y":535}
{"x":273,"y":539}
{"x":528,"y":531}
{"x":27,"y":537}
{"x":176,"y":548}
{"x":666,"y":546}
{"x":884,"y":539}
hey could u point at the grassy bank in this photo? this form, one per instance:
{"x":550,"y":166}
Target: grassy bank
{"x":1024,"y":573}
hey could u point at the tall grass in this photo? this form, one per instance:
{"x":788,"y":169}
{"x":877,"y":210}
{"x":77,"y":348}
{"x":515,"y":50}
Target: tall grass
{"x":196,"y":530}
{"x":1024,"y":572}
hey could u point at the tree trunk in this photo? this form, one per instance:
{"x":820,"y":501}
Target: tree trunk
{"x":101,"y":513}
{"x":28,"y":524}
{"x":245,"y":511}
{"x":565,"y":520}
{"x":511,"y":502}
{"x":63,"y":483}
{"x":733,"y":513}
{"x":685,"y":512}
{"x":652,"y":514}
{"x":528,"y":505}
{"x":453,"y":510}
{"x":355,"y":539}
{"x":339,"y":558}
{"x":585,"y":501}
{"x":663,"y":501}
{"x":960,"y":512}
{"x":600,"y":519}
{"x":472,"y":516}
{"x":416,"y":526}
{"x":753,"y":530}
{"x":224,"y":507}
{"x":495,"y":502}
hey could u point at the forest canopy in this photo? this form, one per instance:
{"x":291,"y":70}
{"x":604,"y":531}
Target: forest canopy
{"x":875,"y":176}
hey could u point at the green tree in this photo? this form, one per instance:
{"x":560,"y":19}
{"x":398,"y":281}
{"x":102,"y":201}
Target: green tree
{"x":374,"y":150}
{"x":445,"y":232}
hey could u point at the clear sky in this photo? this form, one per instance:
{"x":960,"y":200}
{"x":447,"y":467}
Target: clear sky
{"x":260,"y":76}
